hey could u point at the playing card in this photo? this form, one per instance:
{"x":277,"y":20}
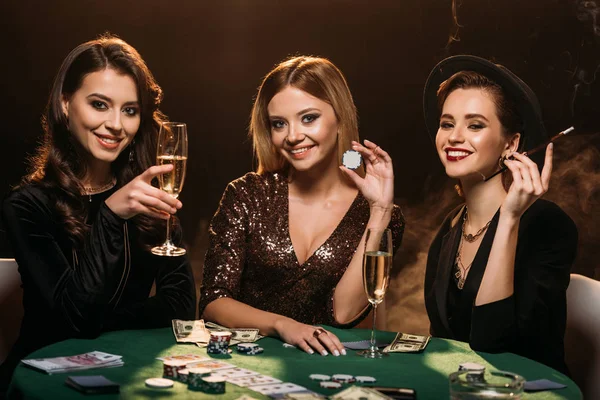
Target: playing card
{"x":277,"y":388}
{"x":184,"y":357}
{"x":542,"y":384}
{"x":245,"y":381}
{"x":234,"y":373}
{"x":215,"y":365}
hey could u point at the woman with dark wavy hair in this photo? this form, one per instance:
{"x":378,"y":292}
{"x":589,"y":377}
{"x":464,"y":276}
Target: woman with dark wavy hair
{"x":82,"y":222}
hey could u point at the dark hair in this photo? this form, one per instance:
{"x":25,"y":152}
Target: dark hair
{"x":57,"y":164}
{"x":506,"y":108}
{"x":316,"y":76}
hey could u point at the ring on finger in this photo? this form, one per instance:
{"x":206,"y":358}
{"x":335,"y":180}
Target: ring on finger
{"x":374,"y":160}
{"x":318,"y":332}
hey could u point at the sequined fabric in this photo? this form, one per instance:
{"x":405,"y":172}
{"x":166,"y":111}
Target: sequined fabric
{"x":251,"y":257}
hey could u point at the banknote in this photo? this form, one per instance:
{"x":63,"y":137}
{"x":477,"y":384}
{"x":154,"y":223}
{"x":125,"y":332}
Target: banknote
{"x":407,"y":343}
{"x":190,"y":331}
{"x":93,"y":359}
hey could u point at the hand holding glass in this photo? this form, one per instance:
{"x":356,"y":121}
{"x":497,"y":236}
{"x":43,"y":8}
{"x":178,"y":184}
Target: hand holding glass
{"x":377,"y":262}
{"x":172,"y":149}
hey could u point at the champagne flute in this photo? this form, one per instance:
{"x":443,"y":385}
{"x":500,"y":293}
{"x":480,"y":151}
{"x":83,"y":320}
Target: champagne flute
{"x":172,"y":149}
{"x":377,"y":262}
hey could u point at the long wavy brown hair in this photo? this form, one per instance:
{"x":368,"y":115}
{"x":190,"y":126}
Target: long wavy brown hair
{"x":58,"y":163}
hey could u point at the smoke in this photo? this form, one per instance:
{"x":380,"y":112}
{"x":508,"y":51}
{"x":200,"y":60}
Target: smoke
{"x":588,"y":12}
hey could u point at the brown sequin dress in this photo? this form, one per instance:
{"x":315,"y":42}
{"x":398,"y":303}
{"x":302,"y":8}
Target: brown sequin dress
{"x":251,"y":259}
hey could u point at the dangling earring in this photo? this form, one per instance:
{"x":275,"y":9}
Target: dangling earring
{"x":131,"y":153}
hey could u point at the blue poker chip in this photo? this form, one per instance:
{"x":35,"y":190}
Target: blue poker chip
{"x":351,"y":159}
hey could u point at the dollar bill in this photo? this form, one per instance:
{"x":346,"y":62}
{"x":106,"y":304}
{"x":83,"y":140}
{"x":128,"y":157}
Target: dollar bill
{"x":190,"y":331}
{"x":407,"y":343}
{"x":238,"y":335}
{"x":359,"y":393}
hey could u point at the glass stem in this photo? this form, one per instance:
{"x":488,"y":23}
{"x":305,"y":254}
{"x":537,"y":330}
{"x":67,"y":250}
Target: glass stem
{"x":373,"y":346}
{"x":168,"y":240}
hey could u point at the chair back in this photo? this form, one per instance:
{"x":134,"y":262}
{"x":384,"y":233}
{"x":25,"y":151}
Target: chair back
{"x":11,"y":305}
{"x":582,"y":338}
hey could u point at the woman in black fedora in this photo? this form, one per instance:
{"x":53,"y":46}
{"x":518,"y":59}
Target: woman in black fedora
{"x":498,"y":269}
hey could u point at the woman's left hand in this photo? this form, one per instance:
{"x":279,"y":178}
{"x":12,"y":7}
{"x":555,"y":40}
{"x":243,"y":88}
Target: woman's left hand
{"x":378,"y":184}
{"x":528,"y":184}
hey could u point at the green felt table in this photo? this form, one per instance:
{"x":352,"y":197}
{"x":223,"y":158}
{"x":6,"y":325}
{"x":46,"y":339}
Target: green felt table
{"x":425,"y":372}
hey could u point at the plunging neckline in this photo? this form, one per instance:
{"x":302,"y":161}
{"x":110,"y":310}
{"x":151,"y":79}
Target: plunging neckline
{"x":328,"y":239}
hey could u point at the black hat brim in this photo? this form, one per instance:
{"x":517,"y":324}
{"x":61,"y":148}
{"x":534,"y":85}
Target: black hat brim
{"x":528,"y":107}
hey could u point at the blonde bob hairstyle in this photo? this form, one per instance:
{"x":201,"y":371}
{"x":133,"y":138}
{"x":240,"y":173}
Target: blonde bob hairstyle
{"x":317,"y":77}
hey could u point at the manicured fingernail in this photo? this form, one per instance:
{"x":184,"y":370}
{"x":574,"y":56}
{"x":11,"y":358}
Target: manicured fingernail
{"x":324,"y":352}
{"x":310,"y":351}
{"x":336,"y":353}
{"x":179,"y":204}
{"x":344,"y":351}
{"x":551,"y":146}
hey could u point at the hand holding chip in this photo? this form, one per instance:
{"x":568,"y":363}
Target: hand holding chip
{"x":378,"y":184}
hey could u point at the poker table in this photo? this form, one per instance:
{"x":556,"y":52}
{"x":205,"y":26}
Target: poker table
{"x":426,"y":372}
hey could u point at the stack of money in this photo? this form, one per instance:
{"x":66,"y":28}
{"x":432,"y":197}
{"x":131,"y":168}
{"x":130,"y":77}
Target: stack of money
{"x":407,"y":343}
{"x":80,"y":362}
{"x":190,"y":331}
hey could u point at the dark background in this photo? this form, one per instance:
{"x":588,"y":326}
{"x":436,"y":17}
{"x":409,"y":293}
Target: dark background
{"x":210,"y":56}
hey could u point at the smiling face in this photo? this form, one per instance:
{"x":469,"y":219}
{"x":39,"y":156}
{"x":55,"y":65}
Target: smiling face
{"x":470,"y":139}
{"x":303,"y":129}
{"x":103,"y":115}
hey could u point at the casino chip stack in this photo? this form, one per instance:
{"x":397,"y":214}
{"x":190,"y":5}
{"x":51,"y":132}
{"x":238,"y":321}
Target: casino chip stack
{"x":182,"y":375}
{"x":170,"y":368}
{"x":213,"y":384}
{"x":195,"y":378}
{"x":219,"y":342}
{"x":249,"y":349}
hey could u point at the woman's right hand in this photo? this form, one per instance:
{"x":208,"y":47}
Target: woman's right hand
{"x":140,"y":197}
{"x":309,"y":338}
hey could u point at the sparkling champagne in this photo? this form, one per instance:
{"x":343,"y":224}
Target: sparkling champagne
{"x":376,"y":274}
{"x":172,"y":182}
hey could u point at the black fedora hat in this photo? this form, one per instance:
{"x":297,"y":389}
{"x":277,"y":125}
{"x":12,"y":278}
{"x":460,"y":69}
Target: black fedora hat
{"x":528,"y":106}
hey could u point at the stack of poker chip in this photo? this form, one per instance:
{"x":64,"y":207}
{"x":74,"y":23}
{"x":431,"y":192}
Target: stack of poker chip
{"x":219,"y":342}
{"x":196,"y":376}
{"x":182,"y":375}
{"x":171,"y":368}
{"x":249,"y":349}
{"x":213,"y":384}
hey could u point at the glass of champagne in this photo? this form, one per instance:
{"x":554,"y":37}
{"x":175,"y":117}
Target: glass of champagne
{"x":172,"y":149}
{"x":377,"y":262}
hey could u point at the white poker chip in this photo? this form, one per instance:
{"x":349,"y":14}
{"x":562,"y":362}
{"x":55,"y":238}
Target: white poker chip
{"x":330,"y":385}
{"x":159,"y":383}
{"x":365,"y":379}
{"x":319,"y":377}
{"x":343,"y":378}
{"x":471,"y":366}
{"x":351,"y":159}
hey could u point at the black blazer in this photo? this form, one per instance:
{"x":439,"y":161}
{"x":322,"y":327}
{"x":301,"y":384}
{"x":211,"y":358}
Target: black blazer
{"x":531,"y":322}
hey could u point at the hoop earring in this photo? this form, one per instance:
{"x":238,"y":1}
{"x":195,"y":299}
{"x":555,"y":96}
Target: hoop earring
{"x":501,"y":161}
{"x":131,"y":152}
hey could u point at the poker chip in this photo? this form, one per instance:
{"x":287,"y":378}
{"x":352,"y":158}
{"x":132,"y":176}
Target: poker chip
{"x":219,"y":342}
{"x":330,"y":385}
{"x":182,"y":375}
{"x":343,"y":378}
{"x":351,"y":159}
{"x":471,"y":366}
{"x":159,"y":383}
{"x":213,"y":384}
{"x":246,"y":347}
{"x":365,"y":379}
{"x":319,"y":377}
{"x":195,"y":376}
{"x":171,"y":368}
{"x":252,"y":352}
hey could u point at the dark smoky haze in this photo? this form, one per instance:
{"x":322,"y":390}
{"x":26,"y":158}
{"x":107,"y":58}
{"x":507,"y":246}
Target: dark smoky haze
{"x":557,"y":52}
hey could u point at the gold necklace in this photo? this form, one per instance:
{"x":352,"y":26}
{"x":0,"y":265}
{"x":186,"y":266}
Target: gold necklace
{"x":89,"y":191}
{"x":471,"y":238}
{"x":461,"y":271}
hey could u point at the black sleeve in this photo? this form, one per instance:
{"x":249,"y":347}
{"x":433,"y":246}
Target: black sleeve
{"x":532,"y":321}
{"x":175,"y":298}
{"x":78,"y":295}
